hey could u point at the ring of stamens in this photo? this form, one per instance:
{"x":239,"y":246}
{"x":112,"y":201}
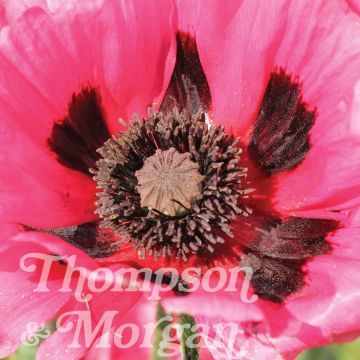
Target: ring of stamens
{"x":196,"y":223}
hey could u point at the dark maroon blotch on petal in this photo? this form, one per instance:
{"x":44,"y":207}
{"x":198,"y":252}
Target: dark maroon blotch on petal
{"x":274,"y":279}
{"x":188,"y":88}
{"x":177,"y":288}
{"x":60,"y":260}
{"x":95,"y":241}
{"x":279,"y":251}
{"x":81,"y":132}
{"x":280,"y":139}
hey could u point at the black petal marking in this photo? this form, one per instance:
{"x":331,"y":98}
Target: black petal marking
{"x":280,"y":140}
{"x":274,"y":279}
{"x":279,"y":251}
{"x":60,"y":260}
{"x":81,"y":132}
{"x":97,"y":242}
{"x":167,"y":280}
{"x":188,"y":88}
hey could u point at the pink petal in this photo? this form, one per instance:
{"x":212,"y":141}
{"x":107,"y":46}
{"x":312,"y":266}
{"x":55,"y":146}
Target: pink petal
{"x":333,"y":287}
{"x":12,"y":10}
{"x":55,"y":245}
{"x":57,"y":345}
{"x":36,"y":190}
{"x":87,"y":45}
{"x":19,"y":304}
{"x":223,"y":345}
{"x":237,"y":42}
{"x":354,"y":5}
{"x":92,"y":44}
{"x":142,"y":314}
{"x":327,"y":179}
{"x":328,"y":31}
{"x":116,"y":301}
{"x":240,"y":43}
{"x":215,"y":304}
{"x":205,"y":354}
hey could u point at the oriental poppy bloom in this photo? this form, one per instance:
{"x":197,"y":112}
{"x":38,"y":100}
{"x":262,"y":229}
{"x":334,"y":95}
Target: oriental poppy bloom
{"x":244,"y":152}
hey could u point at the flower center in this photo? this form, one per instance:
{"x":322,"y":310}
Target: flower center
{"x":170,"y":183}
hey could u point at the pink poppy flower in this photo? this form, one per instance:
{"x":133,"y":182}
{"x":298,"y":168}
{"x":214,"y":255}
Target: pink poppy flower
{"x":177,"y":189}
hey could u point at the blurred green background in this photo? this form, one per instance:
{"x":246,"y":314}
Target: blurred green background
{"x":347,"y":351}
